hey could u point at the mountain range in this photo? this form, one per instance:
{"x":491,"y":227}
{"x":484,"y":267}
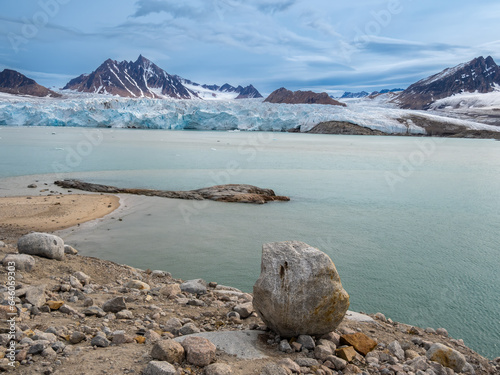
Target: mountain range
{"x":13,"y":82}
{"x":479,"y":75}
{"x":143,"y":78}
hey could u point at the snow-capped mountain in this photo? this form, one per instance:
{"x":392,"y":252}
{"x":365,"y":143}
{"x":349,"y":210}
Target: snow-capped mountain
{"x":479,"y":75}
{"x":143,"y":78}
{"x":13,"y":82}
{"x":215,"y":92}
{"x":354,"y":95}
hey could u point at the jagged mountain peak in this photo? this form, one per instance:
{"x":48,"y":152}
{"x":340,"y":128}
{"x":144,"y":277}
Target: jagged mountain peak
{"x":478,"y":75}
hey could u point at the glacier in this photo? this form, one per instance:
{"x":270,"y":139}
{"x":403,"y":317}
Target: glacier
{"x":249,"y":114}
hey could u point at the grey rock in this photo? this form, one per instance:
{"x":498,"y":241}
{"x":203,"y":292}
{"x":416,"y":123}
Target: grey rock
{"x":94,"y":311}
{"x":468,"y":369}
{"x":245,"y":309}
{"x":100,"y":341}
{"x":36,"y":295}
{"x":306,"y":341}
{"x":58,"y":346}
{"x":197,"y":286}
{"x":199,"y":351}
{"x":32,"y":186}
{"x":159,"y":368}
{"x":168,"y":350}
{"x":22,"y":262}
{"x":76,"y":337}
{"x":49,"y":353}
{"x":65,"y":309}
{"x":125,"y":314}
{"x":306,"y":362}
{"x":38,"y":346}
{"x":299,"y":290}
{"x":114,"y":305}
{"x":70,"y":250}
{"x":189,"y":329}
{"x":274,"y":369}
{"x":430,"y":330}
{"x":75,"y":283}
{"x":321,"y":352}
{"x":284,"y":346}
{"x":218,"y":369}
{"x":396,"y":350}
{"x":83,"y":278}
{"x":120,"y":337}
{"x":173,"y":325}
{"x":447,"y":357}
{"x":338,"y":363}
{"x":2,"y":244}
{"x":289,"y":364}
{"x":442,"y":332}
{"x":41,"y":244}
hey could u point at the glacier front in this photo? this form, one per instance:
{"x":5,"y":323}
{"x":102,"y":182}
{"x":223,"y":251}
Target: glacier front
{"x":248,"y":114}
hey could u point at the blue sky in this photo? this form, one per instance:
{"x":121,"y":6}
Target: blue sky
{"x":322,"y":45}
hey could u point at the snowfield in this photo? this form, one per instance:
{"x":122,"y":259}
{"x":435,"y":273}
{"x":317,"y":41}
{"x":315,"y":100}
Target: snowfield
{"x":89,"y":110}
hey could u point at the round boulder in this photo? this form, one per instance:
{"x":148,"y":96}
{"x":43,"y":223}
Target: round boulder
{"x":41,"y":244}
{"x":299,"y":291}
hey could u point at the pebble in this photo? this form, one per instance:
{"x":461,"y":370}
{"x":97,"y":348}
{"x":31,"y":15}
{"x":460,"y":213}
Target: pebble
{"x":306,"y":341}
{"x":100,"y":341}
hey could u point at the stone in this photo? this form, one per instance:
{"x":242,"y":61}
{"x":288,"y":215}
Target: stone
{"x":168,"y":350}
{"x":337,"y":362}
{"x":274,"y":369}
{"x":36,"y":295}
{"x":66,"y":309}
{"x":41,"y":244}
{"x":199,"y":351}
{"x":306,"y":341}
{"x":218,"y":369}
{"x":120,"y":337}
{"x":347,"y":353}
{"x":55,"y":305}
{"x":38,"y":346}
{"x":284,"y":346}
{"x":152,"y":336}
{"x":442,"y":332}
{"x":446,"y":356}
{"x":196,"y":286}
{"x":2,"y":244}
{"x":124,"y":314}
{"x":100,"y":341}
{"x":245,"y":309}
{"x":306,"y":362}
{"x":170,"y":290}
{"x":70,"y":250}
{"x":49,"y":353}
{"x":321,"y":352}
{"x":189,"y":329}
{"x":21,"y":262}
{"x":396,"y":350}
{"x":411,"y":354}
{"x":77,"y":337}
{"x":334,"y":337}
{"x":299,"y":290}
{"x":296,"y":347}
{"x":114,"y":305}
{"x":159,"y":368}
{"x":140,"y":339}
{"x":173,"y":325}
{"x":361,"y":343}
{"x":290,"y":364}
{"x":380,"y":316}
{"x":83,"y":278}
{"x":7,"y":312}
{"x":94,"y":311}
{"x":75,"y":283}
{"x":32,"y":186}
{"x":136,"y":284}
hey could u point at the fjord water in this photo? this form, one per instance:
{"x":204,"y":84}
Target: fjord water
{"x":412,"y":224}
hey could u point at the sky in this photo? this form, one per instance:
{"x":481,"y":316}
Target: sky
{"x":319,"y":45}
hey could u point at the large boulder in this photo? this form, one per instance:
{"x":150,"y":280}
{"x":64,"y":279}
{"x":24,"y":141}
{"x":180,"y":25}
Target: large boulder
{"x":299,"y":290}
{"x":446,"y":356}
{"x":21,"y":262}
{"x":41,"y":244}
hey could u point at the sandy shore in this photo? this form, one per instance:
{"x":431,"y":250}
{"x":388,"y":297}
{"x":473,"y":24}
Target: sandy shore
{"x":48,"y":213}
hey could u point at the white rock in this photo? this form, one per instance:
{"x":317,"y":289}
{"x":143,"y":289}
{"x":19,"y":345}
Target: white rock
{"x":41,"y":244}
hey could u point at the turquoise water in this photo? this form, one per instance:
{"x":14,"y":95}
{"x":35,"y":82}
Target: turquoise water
{"x":412,"y":224}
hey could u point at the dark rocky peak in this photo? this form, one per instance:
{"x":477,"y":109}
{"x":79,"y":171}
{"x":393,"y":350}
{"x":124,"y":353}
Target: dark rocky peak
{"x":282,"y":95}
{"x":13,"y":82}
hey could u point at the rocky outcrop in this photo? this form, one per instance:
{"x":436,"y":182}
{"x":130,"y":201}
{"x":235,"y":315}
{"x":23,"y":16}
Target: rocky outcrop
{"x":480,"y":74}
{"x":220,"y":193}
{"x":343,"y":127}
{"x":41,"y":244}
{"x":283,"y":95}
{"x":299,"y":291}
{"x":13,"y":82}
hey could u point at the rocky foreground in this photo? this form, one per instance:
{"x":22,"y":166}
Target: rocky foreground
{"x":84,"y":315}
{"x":236,"y":193}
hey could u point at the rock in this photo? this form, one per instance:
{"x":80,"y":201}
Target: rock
{"x":306,"y":341}
{"x":334,"y":337}
{"x":442,"y":332}
{"x":347,"y":353}
{"x":152,"y":336}
{"x":306,"y":362}
{"x":22,"y":262}
{"x":430,"y":330}
{"x":245,"y":309}
{"x":55,"y":305}
{"x":65,"y":309}
{"x":274,"y":369}
{"x":337,"y":362}
{"x":361,"y":343}
{"x":168,"y":350}
{"x":100,"y":341}
{"x":2,"y":244}
{"x":75,"y":283}
{"x":296,"y":347}
{"x":159,"y":368}
{"x":124,"y":314}
{"x":321,"y":352}
{"x":396,"y":350}
{"x":70,"y":250}
{"x":38,"y":346}
{"x":114,"y":305}
{"x":173,"y":325}
{"x":446,"y":356}
{"x":120,"y":337}
{"x":170,"y":290}
{"x":83,"y":278}
{"x":218,"y":369}
{"x":32,"y":186}
{"x":284,"y":346}
{"x":94,"y":311}
{"x":197,"y":286}
{"x":299,"y":290}
{"x":41,"y":244}
{"x":289,"y":364}
{"x":136,"y":284}
{"x":77,"y":337}
{"x":199,"y":351}
{"x":381,"y":317}
{"x":411,"y":354}
{"x":189,"y":329}
{"x":36,"y":295}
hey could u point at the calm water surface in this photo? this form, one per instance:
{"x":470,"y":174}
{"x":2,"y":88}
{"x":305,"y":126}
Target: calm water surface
{"x":412,"y":224}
